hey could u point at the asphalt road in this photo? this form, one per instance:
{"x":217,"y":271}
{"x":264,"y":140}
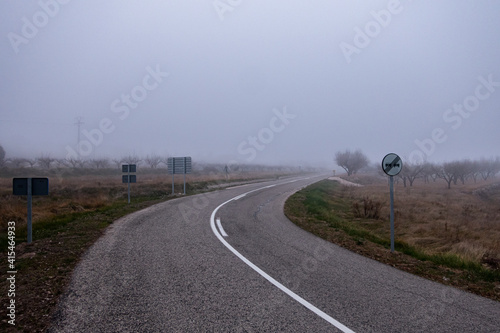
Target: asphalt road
{"x":171,"y":268}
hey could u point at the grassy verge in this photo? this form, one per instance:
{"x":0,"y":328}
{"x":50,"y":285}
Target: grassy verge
{"x":65,"y":225}
{"x":326,"y":210}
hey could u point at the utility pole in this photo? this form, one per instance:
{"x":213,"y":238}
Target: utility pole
{"x":79,"y":122}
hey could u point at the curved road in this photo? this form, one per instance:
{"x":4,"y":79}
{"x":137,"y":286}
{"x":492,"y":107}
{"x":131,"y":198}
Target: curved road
{"x":230,"y":261}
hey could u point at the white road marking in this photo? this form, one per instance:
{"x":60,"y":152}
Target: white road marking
{"x":221,"y":228}
{"x":287,"y":291}
{"x":239,"y":196}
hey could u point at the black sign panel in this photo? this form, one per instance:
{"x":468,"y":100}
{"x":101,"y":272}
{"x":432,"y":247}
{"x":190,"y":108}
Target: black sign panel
{"x":129,"y":168}
{"x":20,"y":186}
{"x":126,"y":179}
{"x":39,"y":186}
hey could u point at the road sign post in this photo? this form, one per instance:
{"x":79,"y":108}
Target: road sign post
{"x":392,"y":165}
{"x":179,"y":165}
{"x":391,"y":190}
{"x":128,"y":168}
{"x":30,"y":202}
{"x":30,"y":187}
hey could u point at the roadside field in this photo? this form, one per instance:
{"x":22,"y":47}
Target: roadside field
{"x":448,"y":235}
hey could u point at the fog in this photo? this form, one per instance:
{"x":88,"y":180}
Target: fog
{"x":268,"y":82}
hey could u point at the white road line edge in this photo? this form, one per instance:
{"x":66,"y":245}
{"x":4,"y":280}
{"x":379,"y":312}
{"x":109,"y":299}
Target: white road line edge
{"x":221,"y":228}
{"x":239,"y":196}
{"x":287,"y":291}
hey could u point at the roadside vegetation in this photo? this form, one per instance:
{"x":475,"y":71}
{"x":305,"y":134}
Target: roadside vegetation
{"x":447,"y":235}
{"x":84,"y":199}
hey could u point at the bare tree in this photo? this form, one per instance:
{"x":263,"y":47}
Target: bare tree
{"x":351,"y":162}
{"x":18,"y":162}
{"x":45,"y":161}
{"x":31,"y":162}
{"x":131,"y":159}
{"x":103,"y":163}
{"x":62,"y":163}
{"x":448,"y":172}
{"x":403,"y":177}
{"x":429,"y":171}
{"x":98,"y":163}
{"x":489,"y":168}
{"x":153,"y":161}
{"x":463,"y":170}
{"x":410,"y":172}
{"x":117,"y":163}
{"x":73,"y":162}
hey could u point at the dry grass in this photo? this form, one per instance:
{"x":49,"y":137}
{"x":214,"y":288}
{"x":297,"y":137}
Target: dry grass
{"x":463,"y":220}
{"x":69,"y":194}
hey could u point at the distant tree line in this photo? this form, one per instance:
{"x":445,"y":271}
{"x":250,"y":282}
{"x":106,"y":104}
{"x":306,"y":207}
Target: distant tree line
{"x":47,"y":162}
{"x":454,"y":172}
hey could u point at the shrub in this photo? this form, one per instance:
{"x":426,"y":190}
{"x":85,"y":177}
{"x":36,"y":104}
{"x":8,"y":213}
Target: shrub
{"x":367,"y":208}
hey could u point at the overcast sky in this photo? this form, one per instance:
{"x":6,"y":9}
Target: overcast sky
{"x":255,"y":81}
